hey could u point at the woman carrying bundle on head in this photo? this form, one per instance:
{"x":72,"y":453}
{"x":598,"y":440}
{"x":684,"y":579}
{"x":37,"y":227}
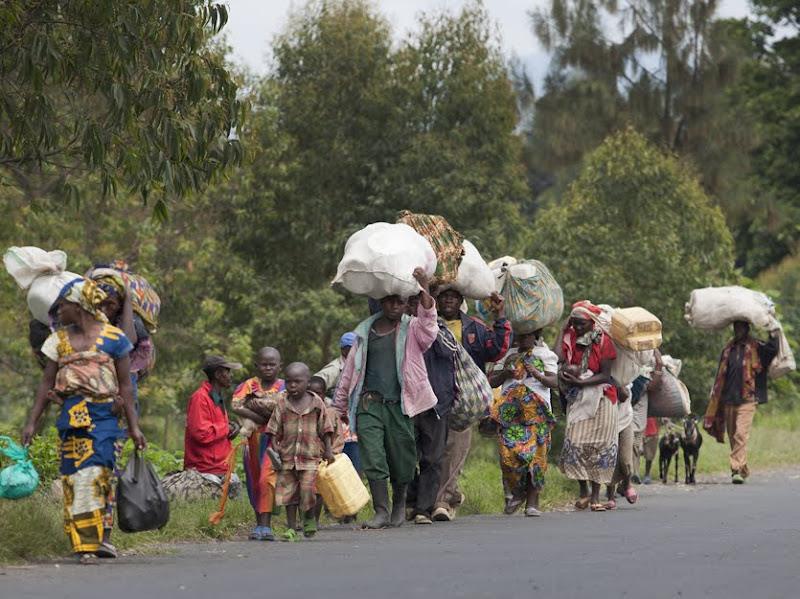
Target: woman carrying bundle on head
{"x":88,"y":374}
{"x":589,"y":454}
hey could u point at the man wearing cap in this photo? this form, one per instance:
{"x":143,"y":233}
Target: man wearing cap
{"x":207,"y":441}
{"x":333,"y":370}
{"x":331,"y":375}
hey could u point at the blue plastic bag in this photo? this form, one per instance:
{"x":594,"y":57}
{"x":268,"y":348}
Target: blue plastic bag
{"x":20,"y":479}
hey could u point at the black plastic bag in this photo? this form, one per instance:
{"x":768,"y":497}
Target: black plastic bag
{"x":142,"y":503}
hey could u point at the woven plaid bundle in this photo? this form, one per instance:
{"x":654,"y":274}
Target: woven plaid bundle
{"x":146,"y":302}
{"x":445,"y":240}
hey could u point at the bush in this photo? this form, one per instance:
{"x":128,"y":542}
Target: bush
{"x":636,"y":229}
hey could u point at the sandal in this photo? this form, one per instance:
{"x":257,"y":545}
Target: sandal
{"x":631,"y":495}
{"x":532,"y":512}
{"x":309,"y":528}
{"x":611,"y":505}
{"x":512,"y":505}
{"x":106,"y":551}
{"x":290,"y":535}
{"x":582,"y":503}
{"x":598,"y":507}
{"x":88,"y":559}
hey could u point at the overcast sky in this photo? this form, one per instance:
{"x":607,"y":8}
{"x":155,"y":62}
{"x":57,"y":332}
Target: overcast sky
{"x":253,"y":23}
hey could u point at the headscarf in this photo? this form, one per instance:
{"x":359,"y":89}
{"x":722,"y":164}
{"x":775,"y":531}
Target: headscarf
{"x":112,"y":285}
{"x":87,"y":294}
{"x":586,"y":310}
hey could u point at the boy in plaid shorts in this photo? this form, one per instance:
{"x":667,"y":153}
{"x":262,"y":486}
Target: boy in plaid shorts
{"x":302,"y":431}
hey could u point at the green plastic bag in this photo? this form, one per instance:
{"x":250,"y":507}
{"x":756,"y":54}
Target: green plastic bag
{"x":20,"y":479}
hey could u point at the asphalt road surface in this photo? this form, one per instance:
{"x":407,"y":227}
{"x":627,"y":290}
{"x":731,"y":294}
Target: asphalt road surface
{"x":713,"y":540}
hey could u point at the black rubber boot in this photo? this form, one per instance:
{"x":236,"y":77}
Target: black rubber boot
{"x":380,"y":502}
{"x":399,"y":504}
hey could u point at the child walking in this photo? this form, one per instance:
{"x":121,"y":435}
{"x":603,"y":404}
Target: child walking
{"x":303,"y":433}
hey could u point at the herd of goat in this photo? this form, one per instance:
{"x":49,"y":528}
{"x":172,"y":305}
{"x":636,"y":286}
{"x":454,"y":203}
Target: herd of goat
{"x":690,"y":441}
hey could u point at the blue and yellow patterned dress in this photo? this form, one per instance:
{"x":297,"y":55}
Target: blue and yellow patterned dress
{"x":88,"y":430}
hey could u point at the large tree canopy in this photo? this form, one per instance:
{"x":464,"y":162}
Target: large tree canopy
{"x":128,"y":90}
{"x":636,"y":228}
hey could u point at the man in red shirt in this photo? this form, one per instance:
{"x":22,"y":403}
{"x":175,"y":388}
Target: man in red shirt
{"x":207,"y":441}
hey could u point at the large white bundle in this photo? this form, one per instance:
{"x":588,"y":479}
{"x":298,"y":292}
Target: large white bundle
{"x":717,"y":307}
{"x":42,"y":273}
{"x":380,"y":258}
{"x":475,"y":279}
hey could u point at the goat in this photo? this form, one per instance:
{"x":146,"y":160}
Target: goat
{"x":690,"y":442}
{"x":667,"y":449}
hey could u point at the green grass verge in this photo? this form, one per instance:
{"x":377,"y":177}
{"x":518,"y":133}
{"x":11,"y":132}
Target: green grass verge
{"x":31,"y":529}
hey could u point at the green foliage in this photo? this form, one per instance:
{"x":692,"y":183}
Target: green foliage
{"x":44,"y":455}
{"x":635,"y":228}
{"x":769,"y":92}
{"x":129,"y":91}
{"x":782,"y":283}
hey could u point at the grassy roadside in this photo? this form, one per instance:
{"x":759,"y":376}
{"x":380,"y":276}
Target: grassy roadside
{"x":31,"y":529}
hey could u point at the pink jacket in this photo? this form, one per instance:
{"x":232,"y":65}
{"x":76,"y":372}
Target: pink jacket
{"x":414,"y":337}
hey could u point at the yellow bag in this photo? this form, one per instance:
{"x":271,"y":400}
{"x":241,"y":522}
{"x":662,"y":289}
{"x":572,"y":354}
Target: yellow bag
{"x":341,"y":487}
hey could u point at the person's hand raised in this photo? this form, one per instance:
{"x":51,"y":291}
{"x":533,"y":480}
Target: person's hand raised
{"x":498,"y":304}
{"x":422,"y":278}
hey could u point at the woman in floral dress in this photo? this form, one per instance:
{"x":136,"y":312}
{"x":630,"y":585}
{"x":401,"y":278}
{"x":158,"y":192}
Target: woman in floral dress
{"x":524,"y":419}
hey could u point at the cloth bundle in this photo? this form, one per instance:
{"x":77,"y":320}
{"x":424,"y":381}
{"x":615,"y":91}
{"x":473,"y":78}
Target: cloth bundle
{"x":379,"y":260}
{"x":43,"y":274}
{"x":445,"y":241}
{"x":533,"y":298}
{"x":146,"y":302}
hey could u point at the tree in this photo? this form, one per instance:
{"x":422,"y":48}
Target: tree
{"x":769,"y":91}
{"x":664,"y":70}
{"x":460,"y":155}
{"x":636,"y":229}
{"x":130,"y":91}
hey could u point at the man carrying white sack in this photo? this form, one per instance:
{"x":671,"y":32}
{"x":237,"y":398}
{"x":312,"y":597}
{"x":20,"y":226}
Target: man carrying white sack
{"x":740,"y":385}
{"x":384,"y":384}
{"x":483,"y":345}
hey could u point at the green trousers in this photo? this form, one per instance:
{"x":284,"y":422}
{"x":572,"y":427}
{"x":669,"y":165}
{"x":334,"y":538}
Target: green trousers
{"x":386,"y":442}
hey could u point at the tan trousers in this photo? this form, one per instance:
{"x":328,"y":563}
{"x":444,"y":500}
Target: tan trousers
{"x":455,"y":455}
{"x":738,"y":422}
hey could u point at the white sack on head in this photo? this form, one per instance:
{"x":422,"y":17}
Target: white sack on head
{"x":715,"y":308}
{"x":379,"y":260}
{"x":475,"y":279}
{"x":42,"y":274}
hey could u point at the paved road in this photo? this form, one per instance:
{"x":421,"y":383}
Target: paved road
{"x":713,"y":540}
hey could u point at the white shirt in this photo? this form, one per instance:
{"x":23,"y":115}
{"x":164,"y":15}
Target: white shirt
{"x":548,"y":358}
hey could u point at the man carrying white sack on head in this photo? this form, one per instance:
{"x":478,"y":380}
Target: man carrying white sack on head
{"x":384,"y":384}
{"x":740,"y":385}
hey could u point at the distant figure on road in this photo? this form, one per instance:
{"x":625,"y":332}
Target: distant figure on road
{"x":741,"y":384}
{"x":331,"y":374}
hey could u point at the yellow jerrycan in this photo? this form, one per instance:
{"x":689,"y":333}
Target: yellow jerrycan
{"x":341,"y":487}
